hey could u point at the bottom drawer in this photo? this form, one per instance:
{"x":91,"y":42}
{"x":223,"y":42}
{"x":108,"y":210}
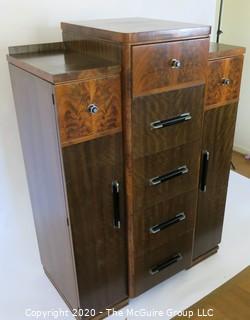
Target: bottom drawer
{"x":157,"y":265}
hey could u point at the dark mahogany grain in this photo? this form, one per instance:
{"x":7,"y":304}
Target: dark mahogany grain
{"x":144,"y":280}
{"x":136,"y":30}
{"x":161,"y":163}
{"x":164,"y":211}
{"x":218,"y":133}
{"x":36,"y":117}
{"x":220,"y":50}
{"x":100,"y":249}
{"x":148,"y":109}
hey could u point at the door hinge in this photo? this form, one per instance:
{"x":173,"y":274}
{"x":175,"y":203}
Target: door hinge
{"x":53,"y":98}
{"x":67,"y":220}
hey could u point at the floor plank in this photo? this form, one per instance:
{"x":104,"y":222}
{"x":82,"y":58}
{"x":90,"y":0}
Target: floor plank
{"x":230,"y":301}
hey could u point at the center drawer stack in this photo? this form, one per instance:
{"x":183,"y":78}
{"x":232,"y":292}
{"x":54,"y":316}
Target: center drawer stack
{"x":167,"y":112}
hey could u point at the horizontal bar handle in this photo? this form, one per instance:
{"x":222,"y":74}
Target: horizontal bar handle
{"x":116,"y":204}
{"x":203,"y":180}
{"x":159,"y":227}
{"x":170,"y":175}
{"x":160,"y":267}
{"x":170,"y":122}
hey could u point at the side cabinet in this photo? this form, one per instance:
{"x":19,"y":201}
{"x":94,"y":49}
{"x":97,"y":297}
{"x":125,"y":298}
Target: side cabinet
{"x":221,"y":102}
{"x":94,"y":181}
{"x":72,"y":143}
{"x":218,"y":133}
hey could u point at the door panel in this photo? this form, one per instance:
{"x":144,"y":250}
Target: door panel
{"x":100,"y":251}
{"x":219,"y":126}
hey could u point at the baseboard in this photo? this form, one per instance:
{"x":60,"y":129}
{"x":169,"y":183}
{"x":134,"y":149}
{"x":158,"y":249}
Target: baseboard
{"x":241,"y":149}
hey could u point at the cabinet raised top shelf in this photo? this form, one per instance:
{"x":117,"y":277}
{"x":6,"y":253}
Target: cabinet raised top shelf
{"x":137,"y":30}
{"x":220,"y":51}
{"x":57,"y":63}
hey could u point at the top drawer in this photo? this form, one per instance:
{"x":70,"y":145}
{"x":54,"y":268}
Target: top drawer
{"x":88,"y":109}
{"x":224,"y":78}
{"x":158,"y":67}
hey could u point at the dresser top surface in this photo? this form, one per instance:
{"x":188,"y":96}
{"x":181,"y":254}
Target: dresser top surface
{"x":132,"y":30}
{"x":53,"y":63}
{"x":220,"y":51}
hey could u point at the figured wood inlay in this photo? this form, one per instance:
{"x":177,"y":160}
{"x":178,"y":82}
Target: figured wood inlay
{"x":76,"y":122}
{"x":152,"y":65}
{"x":231,"y":69}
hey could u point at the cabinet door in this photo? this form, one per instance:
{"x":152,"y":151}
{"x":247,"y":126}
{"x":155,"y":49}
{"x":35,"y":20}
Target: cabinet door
{"x":94,"y":180}
{"x":218,"y":133}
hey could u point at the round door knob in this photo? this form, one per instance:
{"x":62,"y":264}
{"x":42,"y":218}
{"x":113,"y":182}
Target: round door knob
{"x":226,"y":82}
{"x":92,"y":108}
{"x":175,"y":64}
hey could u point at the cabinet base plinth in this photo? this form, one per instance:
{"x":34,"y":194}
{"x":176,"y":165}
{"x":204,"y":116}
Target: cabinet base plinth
{"x":204,"y":256}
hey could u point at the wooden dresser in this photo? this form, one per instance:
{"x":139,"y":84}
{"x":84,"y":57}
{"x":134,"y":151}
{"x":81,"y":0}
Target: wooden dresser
{"x":127,"y":169}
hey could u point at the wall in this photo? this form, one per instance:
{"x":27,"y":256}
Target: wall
{"x":236,"y":24}
{"x":26,"y":22}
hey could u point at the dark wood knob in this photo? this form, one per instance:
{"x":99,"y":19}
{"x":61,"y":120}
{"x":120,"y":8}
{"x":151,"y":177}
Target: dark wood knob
{"x":175,"y":64}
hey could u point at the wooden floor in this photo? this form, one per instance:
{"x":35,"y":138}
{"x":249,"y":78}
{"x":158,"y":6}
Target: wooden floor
{"x":231,"y":301}
{"x":242,"y":165}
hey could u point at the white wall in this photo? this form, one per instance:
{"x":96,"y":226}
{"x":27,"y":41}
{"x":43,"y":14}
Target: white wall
{"x":236,"y":26}
{"x":29,"y":21}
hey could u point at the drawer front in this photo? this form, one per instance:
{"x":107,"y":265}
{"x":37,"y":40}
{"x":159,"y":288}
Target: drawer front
{"x":159,"y":66}
{"x":166,"y":120}
{"x":165,"y":175}
{"x":163,"y":222}
{"x":224,"y":79}
{"x":157,"y":265}
{"x":88,"y":109}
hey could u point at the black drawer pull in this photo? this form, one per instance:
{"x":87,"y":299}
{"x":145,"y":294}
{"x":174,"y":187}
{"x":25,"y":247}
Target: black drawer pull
{"x":170,"y":122}
{"x":159,"y":227}
{"x":164,"y":265}
{"x":116,"y":204}
{"x":203,"y":179}
{"x":170,"y":175}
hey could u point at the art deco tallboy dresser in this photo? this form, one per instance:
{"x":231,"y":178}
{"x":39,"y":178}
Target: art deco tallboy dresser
{"x":127,"y":129}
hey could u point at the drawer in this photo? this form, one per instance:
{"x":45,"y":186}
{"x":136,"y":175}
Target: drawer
{"x":166,"y":120}
{"x":157,"y":67}
{"x":88,"y":109}
{"x":163,"y":222}
{"x":157,"y":265}
{"x":224,"y":79}
{"x":166,"y":174}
